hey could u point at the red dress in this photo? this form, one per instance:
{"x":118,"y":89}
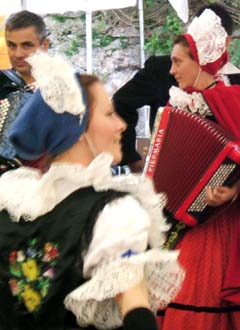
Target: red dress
{"x":204,"y":254}
{"x":210,"y":253}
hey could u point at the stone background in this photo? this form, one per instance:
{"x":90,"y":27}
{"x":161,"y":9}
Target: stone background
{"x":116,"y":42}
{"x":115,"y":59}
{"x":114,"y":62}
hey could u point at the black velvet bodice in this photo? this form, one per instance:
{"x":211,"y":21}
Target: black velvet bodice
{"x":41,"y":261}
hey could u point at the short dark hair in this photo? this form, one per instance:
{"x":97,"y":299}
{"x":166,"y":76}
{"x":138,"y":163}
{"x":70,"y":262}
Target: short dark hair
{"x":24,"y":19}
{"x":220,"y":11}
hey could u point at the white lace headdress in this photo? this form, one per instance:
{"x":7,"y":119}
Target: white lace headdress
{"x":207,"y":40}
{"x":57,"y":82}
{"x":56,"y":115}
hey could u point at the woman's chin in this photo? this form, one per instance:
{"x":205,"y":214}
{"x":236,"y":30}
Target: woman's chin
{"x":117,"y":157}
{"x":182,"y":85}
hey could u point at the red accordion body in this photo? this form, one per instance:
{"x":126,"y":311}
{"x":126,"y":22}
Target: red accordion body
{"x":188,"y":153}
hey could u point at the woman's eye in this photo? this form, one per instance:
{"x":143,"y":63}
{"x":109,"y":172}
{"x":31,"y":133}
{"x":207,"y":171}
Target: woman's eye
{"x":110,"y":113}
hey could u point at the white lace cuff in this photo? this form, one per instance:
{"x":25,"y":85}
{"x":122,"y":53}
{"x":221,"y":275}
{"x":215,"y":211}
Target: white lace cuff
{"x":93,"y":303}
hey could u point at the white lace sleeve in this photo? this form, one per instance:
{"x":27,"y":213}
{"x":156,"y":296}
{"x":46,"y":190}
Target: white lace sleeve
{"x":127,"y":225}
{"x":117,"y":260}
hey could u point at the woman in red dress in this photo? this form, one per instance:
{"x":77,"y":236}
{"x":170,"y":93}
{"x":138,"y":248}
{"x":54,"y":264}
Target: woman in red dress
{"x":210,"y":295}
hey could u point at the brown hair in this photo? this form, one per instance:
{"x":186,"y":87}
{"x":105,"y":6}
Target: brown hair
{"x":180,"y":39}
{"x":87,"y":80}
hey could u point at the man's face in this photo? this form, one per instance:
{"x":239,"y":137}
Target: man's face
{"x":21,"y":43}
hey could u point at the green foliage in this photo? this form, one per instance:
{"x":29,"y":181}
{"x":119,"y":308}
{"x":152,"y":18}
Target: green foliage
{"x":101,"y":40}
{"x":152,"y":44}
{"x":161,"y":42}
{"x":149,"y":3}
{"x":123,"y":42}
{"x":73,"y":48}
{"x":234,"y":50}
{"x":59,"y":18}
{"x":101,"y":26}
{"x":63,"y":18}
{"x":104,"y":40}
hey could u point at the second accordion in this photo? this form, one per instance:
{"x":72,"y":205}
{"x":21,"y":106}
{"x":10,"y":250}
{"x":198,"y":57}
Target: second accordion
{"x":187,"y":154}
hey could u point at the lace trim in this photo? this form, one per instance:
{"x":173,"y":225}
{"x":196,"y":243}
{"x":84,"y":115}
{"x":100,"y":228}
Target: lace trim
{"x":59,"y":88}
{"x":26,"y":193}
{"x":142,"y":189}
{"x":194,"y":103}
{"x":209,"y":36}
{"x":93,"y":303}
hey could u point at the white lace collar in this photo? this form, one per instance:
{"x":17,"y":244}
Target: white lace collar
{"x":27,"y":193}
{"x":193,"y":102}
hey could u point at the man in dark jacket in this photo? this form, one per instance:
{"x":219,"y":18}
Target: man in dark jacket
{"x":150,"y":86}
{"x":25,"y":32}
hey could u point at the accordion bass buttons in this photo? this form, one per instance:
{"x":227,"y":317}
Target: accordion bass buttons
{"x":4,"y":109}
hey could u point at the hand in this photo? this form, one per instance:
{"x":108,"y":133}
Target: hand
{"x":134,"y":297}
{"x":219,"y":195}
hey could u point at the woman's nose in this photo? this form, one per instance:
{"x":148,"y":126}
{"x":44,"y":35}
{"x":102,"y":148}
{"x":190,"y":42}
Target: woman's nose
{"x":121,"y":124}
{"x":172,"y":69}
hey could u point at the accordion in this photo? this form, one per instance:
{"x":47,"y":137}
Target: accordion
{"x":187,"y":154}
{"x":9,"y":109}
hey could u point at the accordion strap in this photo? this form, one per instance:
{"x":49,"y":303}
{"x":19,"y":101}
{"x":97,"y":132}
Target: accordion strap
{"x":7,"y":164}
{"x":176,"y":232}
{"x":14,"y":77}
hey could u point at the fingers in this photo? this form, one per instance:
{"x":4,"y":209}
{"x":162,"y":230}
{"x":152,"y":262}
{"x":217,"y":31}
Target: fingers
{"x":216,"y":196}
{"x":145,"y":151}
{"x":211,"y":197}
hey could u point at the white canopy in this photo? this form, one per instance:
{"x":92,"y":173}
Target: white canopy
{"x":62,"y":6}
{"x":181,"y":7}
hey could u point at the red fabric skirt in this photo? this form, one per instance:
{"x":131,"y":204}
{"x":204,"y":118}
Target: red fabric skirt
{"x":206,"y":255}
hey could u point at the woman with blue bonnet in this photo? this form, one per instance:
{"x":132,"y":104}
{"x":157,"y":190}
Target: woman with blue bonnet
{"x":78,"y":247}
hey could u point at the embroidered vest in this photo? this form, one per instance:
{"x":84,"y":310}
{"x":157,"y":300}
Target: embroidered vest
{"x":40,"y":261}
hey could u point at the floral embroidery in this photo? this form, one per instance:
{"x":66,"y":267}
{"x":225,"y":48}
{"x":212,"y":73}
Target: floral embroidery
{"x":32,"y":270}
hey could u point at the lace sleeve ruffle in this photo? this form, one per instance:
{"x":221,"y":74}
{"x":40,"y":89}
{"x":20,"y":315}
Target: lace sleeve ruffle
{"x":117,"y":261}
{"x":93,"y":303}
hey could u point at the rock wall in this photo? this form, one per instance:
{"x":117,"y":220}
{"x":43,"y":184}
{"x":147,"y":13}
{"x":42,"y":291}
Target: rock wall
{"x":116,"y":50}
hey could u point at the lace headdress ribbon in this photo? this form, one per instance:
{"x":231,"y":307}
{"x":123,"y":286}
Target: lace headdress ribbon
{"x":207,"y":40}
{"x":57,"y":82}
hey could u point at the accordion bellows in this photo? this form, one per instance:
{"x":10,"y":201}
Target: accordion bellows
{"x":188,"y":153}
